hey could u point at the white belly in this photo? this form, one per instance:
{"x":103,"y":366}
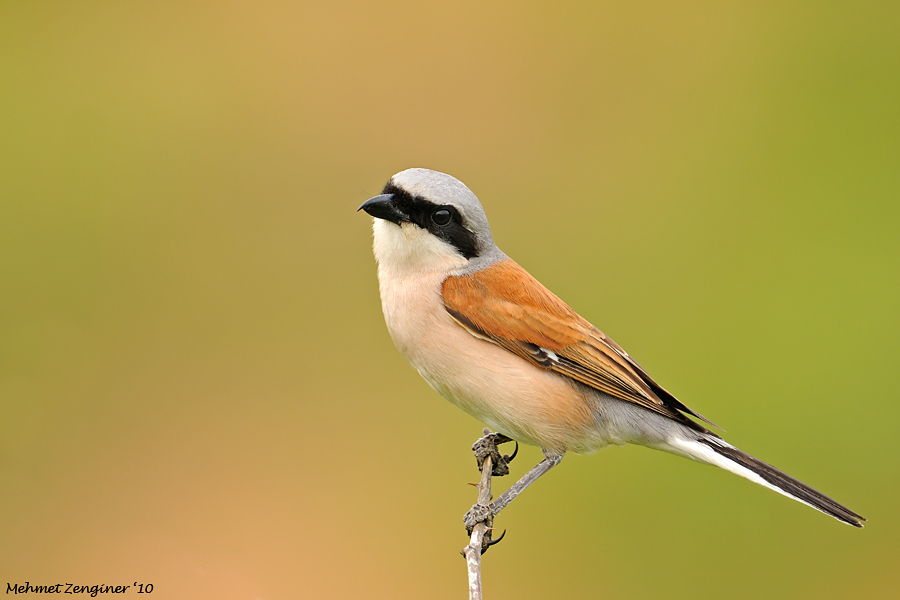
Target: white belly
{"x":502,"y":390}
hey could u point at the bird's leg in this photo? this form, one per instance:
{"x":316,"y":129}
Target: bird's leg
{"x":518,"y":487}
{"x":487,"y":446}
{"x":480,"y":513}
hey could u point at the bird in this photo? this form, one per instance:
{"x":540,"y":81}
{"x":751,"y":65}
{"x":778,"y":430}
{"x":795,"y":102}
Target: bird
{"x":491,"y":339}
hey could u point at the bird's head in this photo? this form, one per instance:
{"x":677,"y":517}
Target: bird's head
{"x":429,"y":220}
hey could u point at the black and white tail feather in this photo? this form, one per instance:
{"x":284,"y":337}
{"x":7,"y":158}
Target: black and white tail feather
{"x":713,"y":450}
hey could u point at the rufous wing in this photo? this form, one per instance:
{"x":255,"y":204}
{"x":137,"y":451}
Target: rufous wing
{"x":505,"y":305}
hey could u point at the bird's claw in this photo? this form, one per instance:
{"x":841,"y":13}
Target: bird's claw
{"x":487,"y":542}
{"x":508,"y":458}
{"x":487,"y":446}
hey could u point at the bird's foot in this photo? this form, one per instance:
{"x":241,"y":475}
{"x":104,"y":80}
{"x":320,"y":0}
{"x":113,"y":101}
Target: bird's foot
{"x":480,"y":513}
{"x":487,"y":446}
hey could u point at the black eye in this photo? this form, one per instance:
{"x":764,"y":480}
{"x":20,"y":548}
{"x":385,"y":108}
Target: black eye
{"x":441,"y":217}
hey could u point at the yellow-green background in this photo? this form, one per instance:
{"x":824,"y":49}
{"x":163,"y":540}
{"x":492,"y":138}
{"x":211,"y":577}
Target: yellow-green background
{"x":196,"y":386}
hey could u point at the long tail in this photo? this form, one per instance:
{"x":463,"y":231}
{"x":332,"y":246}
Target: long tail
{"x":715,"y":451}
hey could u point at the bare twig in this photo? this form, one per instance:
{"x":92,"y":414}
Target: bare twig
{"x":473,"y":551}
{"x":480,"y":518}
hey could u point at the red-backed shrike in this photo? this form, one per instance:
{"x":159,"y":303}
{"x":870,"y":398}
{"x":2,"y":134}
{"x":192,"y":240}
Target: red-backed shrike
{"x":490,"y":338}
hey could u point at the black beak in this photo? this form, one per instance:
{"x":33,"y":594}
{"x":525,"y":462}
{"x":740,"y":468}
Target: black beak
{"x":383,"y":207}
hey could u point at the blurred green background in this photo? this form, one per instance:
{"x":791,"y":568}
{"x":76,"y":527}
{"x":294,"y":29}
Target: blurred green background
{"x":197,"y":389}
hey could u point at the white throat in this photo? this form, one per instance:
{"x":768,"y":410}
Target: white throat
{"x":407,"y":250}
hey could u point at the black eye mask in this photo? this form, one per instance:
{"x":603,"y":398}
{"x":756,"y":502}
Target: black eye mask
{"x":442,"y":221}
